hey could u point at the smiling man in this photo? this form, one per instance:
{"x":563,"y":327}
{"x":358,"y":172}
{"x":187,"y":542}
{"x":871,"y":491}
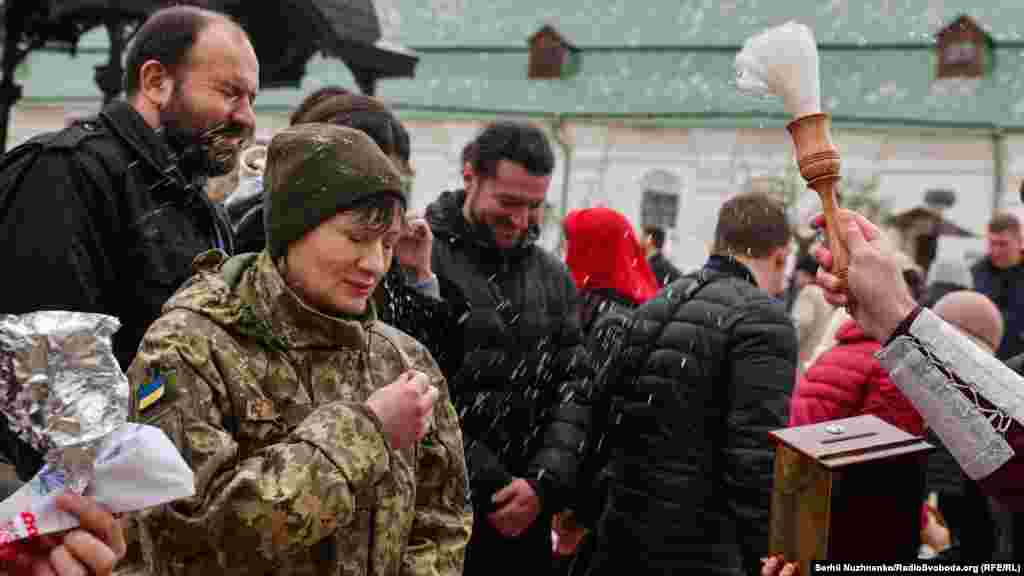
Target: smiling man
{"x":107,"y":215}
{"x":518,"y":387}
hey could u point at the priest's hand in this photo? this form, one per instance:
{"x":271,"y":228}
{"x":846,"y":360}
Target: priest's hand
{"x":874,"y":292}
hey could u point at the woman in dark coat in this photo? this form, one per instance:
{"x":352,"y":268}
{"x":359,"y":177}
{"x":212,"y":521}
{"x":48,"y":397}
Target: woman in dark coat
{"x":613,"y":277}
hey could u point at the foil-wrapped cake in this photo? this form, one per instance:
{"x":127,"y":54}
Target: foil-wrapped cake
{"x":61,"y":389}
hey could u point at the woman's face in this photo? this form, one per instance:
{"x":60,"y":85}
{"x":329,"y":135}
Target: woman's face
{"x":337,"y":266}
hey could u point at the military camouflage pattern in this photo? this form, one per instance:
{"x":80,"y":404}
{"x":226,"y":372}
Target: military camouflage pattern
{"x":265,"y":399}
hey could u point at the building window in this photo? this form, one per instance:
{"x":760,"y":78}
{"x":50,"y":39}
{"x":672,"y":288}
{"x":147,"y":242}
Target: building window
{"x":660,"y":209}
{"x":964,"y":50}
{"x":551,"y":55}
{"x":661,"y":199}
{"x":961,"y":54}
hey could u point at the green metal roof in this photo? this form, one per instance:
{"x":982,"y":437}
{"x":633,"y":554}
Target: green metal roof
{"x":888,"y":86}
{"x":443,"y":23}
{"x":659,"y":60}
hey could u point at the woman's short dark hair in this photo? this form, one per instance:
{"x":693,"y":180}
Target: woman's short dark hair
{"x":167,"y":36}
{"x":337,"y":105}
{"x":378,"y":211}
{"x":517,"y":142}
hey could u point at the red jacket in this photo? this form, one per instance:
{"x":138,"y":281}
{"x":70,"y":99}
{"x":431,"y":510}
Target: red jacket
{"x":848,"y":381}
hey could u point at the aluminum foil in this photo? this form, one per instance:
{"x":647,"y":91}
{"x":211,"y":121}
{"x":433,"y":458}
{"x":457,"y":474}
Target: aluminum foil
{"x":61,"y":389}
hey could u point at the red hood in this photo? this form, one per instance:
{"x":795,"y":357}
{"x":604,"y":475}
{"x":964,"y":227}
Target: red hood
{"x":602,"y":252}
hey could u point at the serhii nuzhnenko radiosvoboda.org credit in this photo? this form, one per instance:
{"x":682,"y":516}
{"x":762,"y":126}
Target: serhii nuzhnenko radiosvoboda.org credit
{"x":840,"y":568}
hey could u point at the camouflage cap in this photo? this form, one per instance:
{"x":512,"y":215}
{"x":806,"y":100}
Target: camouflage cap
{"x":315,"y":171}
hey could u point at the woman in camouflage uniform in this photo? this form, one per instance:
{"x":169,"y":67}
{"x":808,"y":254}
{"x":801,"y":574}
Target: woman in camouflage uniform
{"x":311,"y":426}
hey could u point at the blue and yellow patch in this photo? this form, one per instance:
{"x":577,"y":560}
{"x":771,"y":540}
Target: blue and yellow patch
{"x":158,"y":386}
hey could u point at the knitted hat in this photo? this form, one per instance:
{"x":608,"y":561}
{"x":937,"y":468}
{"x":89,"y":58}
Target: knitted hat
{"x":315,"y":171}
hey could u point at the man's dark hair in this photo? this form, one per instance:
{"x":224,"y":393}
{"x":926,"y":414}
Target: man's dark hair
{"x":751,"y":225}
{"x":517,"y":142}
{"x":167,"y":36}
{"x":337,"y":105}
{"x":657,"y":236}
{"x":1004,"y":222}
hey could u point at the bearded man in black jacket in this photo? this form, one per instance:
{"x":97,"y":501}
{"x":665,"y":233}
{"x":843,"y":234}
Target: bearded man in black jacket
{"x":704,"y":375}
{"x":520,"y":389}
{"x":107,"y":215}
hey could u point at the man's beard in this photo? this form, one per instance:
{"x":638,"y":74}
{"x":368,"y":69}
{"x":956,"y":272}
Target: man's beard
{"x":488,"y":230}
{"x":210,"y":152}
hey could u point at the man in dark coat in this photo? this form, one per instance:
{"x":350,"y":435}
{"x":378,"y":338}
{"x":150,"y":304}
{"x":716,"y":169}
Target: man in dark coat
{"x":654,"y":243}
{"x":111,"y":211}
{"x":519,"y":390}
{"x":705,"y":374}
{"x":1000,"y":276}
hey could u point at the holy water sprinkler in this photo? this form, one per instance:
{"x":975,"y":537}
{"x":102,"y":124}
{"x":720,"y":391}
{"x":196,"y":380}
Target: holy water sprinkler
{"x":783,"y":61}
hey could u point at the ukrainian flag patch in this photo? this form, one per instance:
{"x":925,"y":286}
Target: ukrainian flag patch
{"x":155,"y":388}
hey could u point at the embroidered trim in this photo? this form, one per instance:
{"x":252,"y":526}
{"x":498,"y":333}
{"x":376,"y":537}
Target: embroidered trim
{"x":949,"y":404}
{"x":999,"y":419}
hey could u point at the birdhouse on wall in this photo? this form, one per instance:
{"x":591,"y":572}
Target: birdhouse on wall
{"x":965,"y":50}
{"x":552,"y":56}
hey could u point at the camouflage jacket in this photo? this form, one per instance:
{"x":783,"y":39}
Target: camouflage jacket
{"x":265,"y":399}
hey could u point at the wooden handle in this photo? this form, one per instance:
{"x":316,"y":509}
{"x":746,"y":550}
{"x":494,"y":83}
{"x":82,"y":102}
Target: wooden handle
{"x":840,"y":256}
{"x":819,"y":165}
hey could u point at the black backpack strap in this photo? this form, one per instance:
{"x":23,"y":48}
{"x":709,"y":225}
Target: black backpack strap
{"x":15,"y":163}
{"x":93,"y":159}
{"x":704,"y":278}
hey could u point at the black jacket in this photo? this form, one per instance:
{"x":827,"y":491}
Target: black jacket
{"x":517,"y":390}
{"x":664,"y":271}
{"x":437,"y":324}
{"x":1006,"y":289}
{"x":606,"y":317}
{"x":105,"y":221}
{"x":705,"y":374}
{"x":244,"y":208}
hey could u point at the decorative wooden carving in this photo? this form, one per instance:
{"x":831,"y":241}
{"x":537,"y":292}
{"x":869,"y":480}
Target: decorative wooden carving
{"x":819,"y":165}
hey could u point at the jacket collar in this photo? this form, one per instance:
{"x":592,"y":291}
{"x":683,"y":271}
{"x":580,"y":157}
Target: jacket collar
{"x":152,"y":149}
{"x":730,"y":266}
{"x":299,"y":325}
{"x":447,"y":220}
{"x":851,"y":331}
{"x":996,"y":271}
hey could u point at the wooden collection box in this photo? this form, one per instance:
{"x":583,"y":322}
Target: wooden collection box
{"x":848,"y":489}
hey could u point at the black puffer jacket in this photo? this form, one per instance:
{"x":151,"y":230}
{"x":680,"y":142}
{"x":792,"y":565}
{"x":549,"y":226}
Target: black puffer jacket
{"x":664,"y":271}
{"x":606,"y":317}
{"x":519,"y":389}
{"x":705,"y":374}
{"x":437,"y":324}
